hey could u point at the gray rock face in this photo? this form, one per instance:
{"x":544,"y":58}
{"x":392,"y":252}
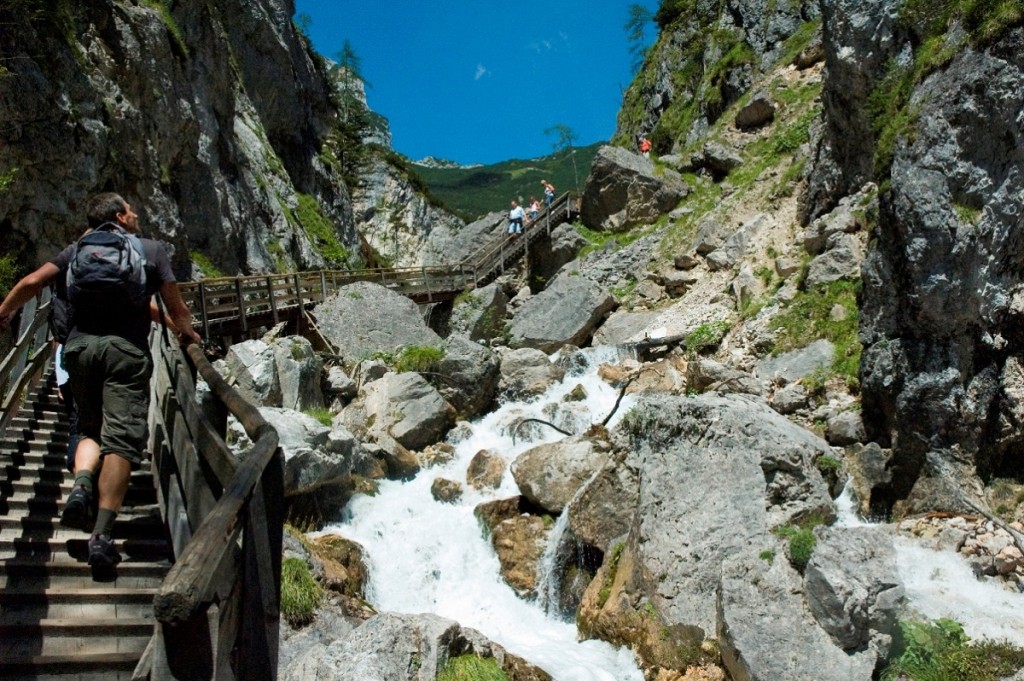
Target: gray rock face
{"x":392,"y":647}
{"x":603,"y":510}
{"x":409,"y":409}
{"x":716,"y":474}
{"x":446,"y":245}
{"x":860,"y":40}
{"x":548,"y":256}
{"x":621,"y":326}
{"x":764,"y":631}
{"x":394,"y":218}
{"x":312,"y":458}
{"x":394,"y":323}
{"x":565,"y":313}
{"x":217,"y":152}
{"x":549,"y":475}
{"x":853,"y":588}
{"x":936,"y":345}
{"x":623,"y":191}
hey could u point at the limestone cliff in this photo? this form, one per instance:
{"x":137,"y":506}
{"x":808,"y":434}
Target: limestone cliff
{"x":216,"y":120}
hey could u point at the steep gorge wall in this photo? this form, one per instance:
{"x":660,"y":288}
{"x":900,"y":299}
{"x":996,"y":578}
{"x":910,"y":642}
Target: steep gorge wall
{"x":925,"y":100}
{"x":215,"y":119}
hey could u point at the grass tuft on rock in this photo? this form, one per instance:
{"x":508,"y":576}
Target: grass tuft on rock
{"x":301,"y":594}
{"x":941,"y":651}
{"x":472,"y":668}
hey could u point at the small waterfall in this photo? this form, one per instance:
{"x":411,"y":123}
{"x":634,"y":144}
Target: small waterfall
{"x":940,"y":583}
{"x":427,"y":556}
{"x":549,"y":591}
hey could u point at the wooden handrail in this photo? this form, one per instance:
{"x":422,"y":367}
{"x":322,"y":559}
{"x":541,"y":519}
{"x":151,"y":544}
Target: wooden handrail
{"x":26,"y":359}
{"x":218,"y":608}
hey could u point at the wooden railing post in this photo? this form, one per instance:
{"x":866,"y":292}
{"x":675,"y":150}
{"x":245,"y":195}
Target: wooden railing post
{"x":241,"y":305}
{"x":323,"y":285}
{"x":273,"y":301}
{"x":203,"y":314}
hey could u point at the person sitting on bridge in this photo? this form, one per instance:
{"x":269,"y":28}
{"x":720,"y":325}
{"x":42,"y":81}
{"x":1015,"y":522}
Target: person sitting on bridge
{"x":515,"y":219}
{"x":107,"y":357}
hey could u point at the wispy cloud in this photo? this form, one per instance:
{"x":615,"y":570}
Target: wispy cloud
{"x":538,"y":47}
{"x":481,"y":71}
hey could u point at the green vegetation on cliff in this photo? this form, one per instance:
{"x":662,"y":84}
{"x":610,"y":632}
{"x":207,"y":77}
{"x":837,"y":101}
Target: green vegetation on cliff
{"x":941,"y":651}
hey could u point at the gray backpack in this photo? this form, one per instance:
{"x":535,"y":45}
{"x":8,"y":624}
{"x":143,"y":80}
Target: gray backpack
{"x":107,"y":271}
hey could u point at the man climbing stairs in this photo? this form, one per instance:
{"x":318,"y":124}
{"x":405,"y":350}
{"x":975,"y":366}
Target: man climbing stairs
{"x":56,"y":620}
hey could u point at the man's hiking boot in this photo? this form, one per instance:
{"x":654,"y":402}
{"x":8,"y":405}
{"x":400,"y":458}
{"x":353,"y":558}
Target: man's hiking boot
{"x":102,"y":554}
{"x":78,"y":511}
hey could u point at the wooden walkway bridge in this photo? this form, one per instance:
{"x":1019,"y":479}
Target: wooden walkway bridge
{"x":231,"y":306}
{"x":197,"y":594}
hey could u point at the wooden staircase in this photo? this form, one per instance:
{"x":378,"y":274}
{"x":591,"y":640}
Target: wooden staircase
{"x":56,"y":621}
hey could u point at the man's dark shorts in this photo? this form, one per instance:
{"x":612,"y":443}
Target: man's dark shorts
{"x":110,"y":379}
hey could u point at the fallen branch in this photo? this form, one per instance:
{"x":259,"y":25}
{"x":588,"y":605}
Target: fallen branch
{"x":622,"y":393}
{"x":515,"y":429}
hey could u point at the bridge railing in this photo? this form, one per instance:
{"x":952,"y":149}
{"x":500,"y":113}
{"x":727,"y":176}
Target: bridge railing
{"x":491,"y":259}
{"x":26,"y":359}
{"x":218,"y":609}
{"x":261,"y":299}
{"x":251,"y":301}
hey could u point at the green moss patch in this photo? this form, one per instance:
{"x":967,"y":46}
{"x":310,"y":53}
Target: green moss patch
{"x":941,"y":651}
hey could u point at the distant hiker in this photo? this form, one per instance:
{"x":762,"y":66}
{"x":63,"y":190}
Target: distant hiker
{"x":534,"y":208}
{"x":549,"y":192}
{"x":645,"y":146}
{"x":515,"y":219}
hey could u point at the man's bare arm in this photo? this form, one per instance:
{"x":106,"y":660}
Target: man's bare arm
{"x":25,"y":290}
{"x":178,"y":311}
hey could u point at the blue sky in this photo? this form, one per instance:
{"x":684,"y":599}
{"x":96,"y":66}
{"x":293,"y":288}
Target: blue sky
{"x":475,"y":81}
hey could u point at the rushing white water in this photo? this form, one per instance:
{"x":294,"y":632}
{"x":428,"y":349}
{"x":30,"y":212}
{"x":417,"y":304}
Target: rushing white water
{"x":426,"y":556}
{"x":940,"y":583}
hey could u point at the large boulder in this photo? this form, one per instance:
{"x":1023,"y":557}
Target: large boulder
{"x":854,"y":589}
{"x":764,"y":631}
{"x":527,"y":373}
{"x":716,"y":475}
{"x":252,"y":368}
{"x":395,"y":323}
{"x":565,"y":313}
{"x":298,"y":372}
{"x":550,"y":475}
{"x":312,"y":458}
{"x":393,"y":647}
{"x":603,"y":510}
{"x":624,"y":190}
{"x":408,"y":409}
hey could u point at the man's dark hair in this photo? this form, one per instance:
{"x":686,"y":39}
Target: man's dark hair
{"x":104,"y":208}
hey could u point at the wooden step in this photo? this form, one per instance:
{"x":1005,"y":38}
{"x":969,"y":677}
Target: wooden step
{"x":73,"y":666}
{"x":31,"y":423}
{"x":46,"y":446}
{"x":131,"y":549}
{"x":14,"y":596}
{"x":49,"y":460}
{"x":126,"y":526}
{"x":41,"y":515}
{"x":140,"y":489}
{"x":78,"y":626}
{"x":66,"y":572}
